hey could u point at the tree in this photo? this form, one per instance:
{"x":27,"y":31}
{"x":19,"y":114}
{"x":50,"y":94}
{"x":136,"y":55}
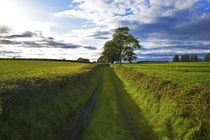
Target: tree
{"x":176,"y":58}
{"x":185,"y":58}
{"x":125,"y":42}
{"x":194,"y":58}
{"x":121,"y":46}
{"x":83,"y":60}
{"x":101,"y":59}
{"x":110,"y":52}
{"x":129,"y":56}
{"x":207,"y":58}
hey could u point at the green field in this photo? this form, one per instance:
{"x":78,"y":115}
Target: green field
{"x":173,"y":97}
{"x":22,"y":68}
{"x":182,"y":73}
{"x":68,"y":100}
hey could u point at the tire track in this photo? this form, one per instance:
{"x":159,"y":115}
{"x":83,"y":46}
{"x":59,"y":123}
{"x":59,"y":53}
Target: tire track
{"x":124,"y":113}
{"x":75,"y":132}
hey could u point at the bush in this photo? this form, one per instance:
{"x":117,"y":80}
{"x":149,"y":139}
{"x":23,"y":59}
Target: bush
{"x":83,"y":60}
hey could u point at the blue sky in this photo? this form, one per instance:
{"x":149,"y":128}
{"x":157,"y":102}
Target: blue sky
{"x":79,"y":28}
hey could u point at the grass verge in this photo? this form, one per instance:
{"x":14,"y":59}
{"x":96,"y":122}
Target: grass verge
{"x":174,"y":111}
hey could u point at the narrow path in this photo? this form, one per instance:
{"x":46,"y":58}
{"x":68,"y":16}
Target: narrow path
{"x":110,"y":114}
{"x":76,"y":131}
{"x":127,"y":116}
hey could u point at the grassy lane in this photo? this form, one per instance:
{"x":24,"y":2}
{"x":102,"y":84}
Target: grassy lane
{"x":116,"y":117}
{"x":108,"y":123}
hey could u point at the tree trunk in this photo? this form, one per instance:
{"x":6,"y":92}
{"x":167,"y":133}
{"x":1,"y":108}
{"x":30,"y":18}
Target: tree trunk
{"x":120,"y":56}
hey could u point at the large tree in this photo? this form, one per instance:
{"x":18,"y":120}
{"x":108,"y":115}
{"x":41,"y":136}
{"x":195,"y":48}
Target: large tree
{"x":185,"y":58}
{"x":207,"y":58}
{"x":110,"y":53}
{"x":121,"y":47}
{"x":176,"y":58}
{"x":129,"y":55}
{"x":125,"y":42}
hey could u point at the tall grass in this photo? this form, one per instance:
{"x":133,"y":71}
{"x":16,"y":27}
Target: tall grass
{"x":174,"y":110}
{"x":44,"y":108}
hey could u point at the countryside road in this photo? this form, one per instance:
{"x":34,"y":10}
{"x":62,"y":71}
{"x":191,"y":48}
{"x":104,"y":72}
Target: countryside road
{"x":109,"y":114}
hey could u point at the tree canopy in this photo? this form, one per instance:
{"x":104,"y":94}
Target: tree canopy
{"x":121,"y":47}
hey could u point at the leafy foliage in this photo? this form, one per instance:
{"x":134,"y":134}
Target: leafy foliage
{"x":207,"y":58}
{"x":176,"y":58}
{"x":110,"y":52}
{"x":121,"y":46}
{"x":83,"y":60}
{"x":185,"y":58}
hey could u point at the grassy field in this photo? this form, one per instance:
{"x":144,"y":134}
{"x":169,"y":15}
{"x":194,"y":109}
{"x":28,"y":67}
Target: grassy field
{"x":173,"y":97}
{"x":183,"y":73}
{"x":39,"y":105}
{"x":42,"y":100}
{"x":22,"y":68}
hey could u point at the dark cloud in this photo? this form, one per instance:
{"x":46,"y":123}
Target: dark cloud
{"x":45,"y":42}
{"x":90,"y":47}
{"x":4,"y":29}
{"x":56,"y":44}
{"x":8,"y":52}
{"x":101,"y":35}
{"x":25,"y":34}
{"x":9,"y":42}
{"x":185,"y":25}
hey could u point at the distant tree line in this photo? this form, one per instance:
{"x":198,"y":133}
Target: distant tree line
{"x":84,"y":60}
{"x":192,"y":58}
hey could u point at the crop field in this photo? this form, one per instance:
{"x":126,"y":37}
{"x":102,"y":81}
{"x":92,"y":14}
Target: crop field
{"x":182,"y":73}
{"x":21,"y":68}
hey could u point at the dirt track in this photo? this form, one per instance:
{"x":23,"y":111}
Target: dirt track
{"x":91,"y":122}
{"x":76,"y":131}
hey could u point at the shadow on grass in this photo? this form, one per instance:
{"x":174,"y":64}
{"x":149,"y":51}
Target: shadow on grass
{"x":131,"y":112}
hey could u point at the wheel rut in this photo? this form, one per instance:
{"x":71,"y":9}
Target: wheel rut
{"x":75,"y":132}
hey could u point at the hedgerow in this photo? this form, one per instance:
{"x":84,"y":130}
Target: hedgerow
{"x":175,"y":111}
{"x":44,"y":108}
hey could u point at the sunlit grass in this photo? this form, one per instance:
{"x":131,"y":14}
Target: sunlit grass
{"x":183,"y":73}
{"x":173,"y":97}
{"x":21,"y":69}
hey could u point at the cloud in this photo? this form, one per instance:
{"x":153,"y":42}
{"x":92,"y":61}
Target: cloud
{"x":164,"y":27}
{"x":40,"y":42}
{"x":25,"y":34}
{"x":61,"y":45}
{"x":90,"y":48}
{"x":4,"y":29}
{"x":101,"y":35}
{"x":8,"y":42}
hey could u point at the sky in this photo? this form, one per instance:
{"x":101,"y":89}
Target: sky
{"x":69,"y":29}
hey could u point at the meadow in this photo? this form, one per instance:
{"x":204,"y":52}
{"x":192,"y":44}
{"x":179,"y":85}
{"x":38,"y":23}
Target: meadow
{"x":26,"y":68}
{"x":192,"y":73}
{"x":41,"y":99}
